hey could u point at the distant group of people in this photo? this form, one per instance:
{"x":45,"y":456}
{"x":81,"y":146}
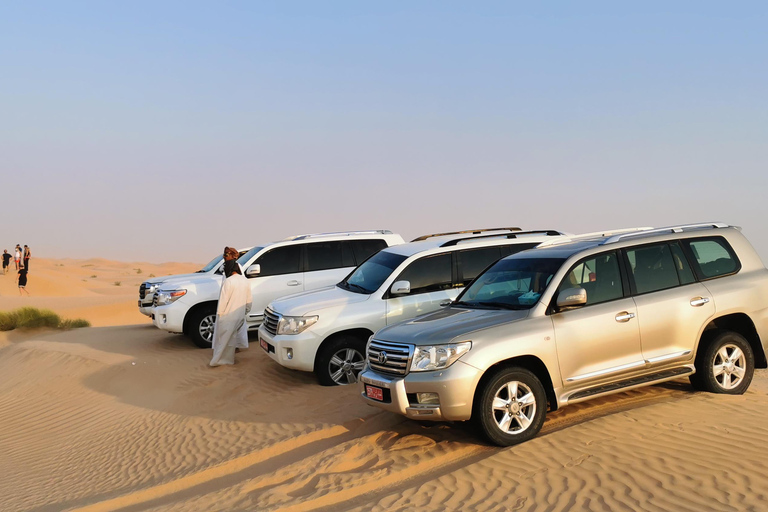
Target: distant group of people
{"x":21,"y":258}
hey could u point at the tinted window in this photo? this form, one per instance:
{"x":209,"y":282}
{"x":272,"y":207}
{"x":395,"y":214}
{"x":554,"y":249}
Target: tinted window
{"x":368,"y":277}
{"x":428,"y":274}
{"x":364,"y":249}
{"x":652,"y":268}
{"x":212,"y":264}
{"x":599,"y":276}
{"x":283,"y":260}
{"x":325,"y":255}
{"x":474,"y":261}
{"x":713,"y":256}
{"x":684,"y":271}
{"x":506,"y":250}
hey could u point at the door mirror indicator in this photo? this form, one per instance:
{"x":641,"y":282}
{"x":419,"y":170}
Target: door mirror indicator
{"x":253,"y":270}
{"x":571,"y":298}
{"x":401,"y":288}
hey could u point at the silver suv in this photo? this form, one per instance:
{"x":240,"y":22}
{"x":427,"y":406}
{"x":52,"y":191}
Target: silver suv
{"x":573,"y":320}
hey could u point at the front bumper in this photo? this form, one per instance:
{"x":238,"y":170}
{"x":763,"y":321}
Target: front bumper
{"x":169,"y":318}
{"x":145,"y":309}
{"x":295,"y":351}
{"x":455,"y":387}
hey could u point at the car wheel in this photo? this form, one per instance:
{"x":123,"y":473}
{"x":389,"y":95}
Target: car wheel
{"x":725,"y":364}
{"x":201,"y":325}
{"x":511,"y":406}
{"x":340,"y":361}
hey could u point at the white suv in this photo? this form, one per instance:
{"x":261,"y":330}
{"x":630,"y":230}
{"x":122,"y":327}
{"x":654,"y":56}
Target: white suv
{"x":148,"y":288}
{"x":293,"y":265}
{"x":325,"y":331}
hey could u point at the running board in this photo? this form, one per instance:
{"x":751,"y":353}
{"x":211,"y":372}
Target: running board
{"x":631,"y":383}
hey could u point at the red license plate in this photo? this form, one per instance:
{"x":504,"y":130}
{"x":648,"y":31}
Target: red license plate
{"x":264,"y":344}
{"x":374,"y":393}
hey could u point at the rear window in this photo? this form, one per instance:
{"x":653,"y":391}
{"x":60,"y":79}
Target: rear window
{"x":713,"y":256}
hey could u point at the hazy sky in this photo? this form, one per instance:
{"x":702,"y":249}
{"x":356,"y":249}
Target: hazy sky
{"x":158,"y":131}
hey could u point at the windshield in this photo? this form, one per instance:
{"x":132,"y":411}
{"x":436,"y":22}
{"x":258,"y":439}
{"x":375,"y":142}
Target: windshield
{"x":512,"y":283}
{"x":248,"y":256}
{"x":368,"y":277}
{"x":212,"y":264}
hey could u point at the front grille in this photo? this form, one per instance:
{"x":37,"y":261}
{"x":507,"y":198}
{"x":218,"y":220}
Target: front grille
{"x":270,"y":321}
{"x":154,"y":299}
{"x":387,"y":357}
{"x":142,"y":290}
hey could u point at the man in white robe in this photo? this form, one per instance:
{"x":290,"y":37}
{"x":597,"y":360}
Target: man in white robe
{"x":230,"y":331}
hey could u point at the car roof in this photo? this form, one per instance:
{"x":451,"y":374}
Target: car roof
{"x":463,"y":241}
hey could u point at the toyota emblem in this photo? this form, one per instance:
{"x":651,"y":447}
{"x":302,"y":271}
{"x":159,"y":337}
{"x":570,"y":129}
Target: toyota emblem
{"x":382,"y":357}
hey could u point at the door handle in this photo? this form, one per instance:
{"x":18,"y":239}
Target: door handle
{"x":293,"y":283}
{"x":699,"y":301}
{"x":624,"y":316}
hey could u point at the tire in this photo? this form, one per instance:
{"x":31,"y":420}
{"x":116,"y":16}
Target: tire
{"x":507,"y":422}
{"x":725,"y":364}
{"x":200,"y":326}
{"x":340,"y":361}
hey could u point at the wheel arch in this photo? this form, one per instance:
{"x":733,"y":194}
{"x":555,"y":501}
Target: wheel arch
{"x":742,"y":324}
{"x":529,"y":362}
{"x":193,"y":311}
{"x":359,"y":332}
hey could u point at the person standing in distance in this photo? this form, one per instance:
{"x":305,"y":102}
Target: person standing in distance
{"x":22,"y":280}
{"x":230,"y":331}
{"x":6,"y":261}
{"x":17,"y":256}
{"x":27,"y":255}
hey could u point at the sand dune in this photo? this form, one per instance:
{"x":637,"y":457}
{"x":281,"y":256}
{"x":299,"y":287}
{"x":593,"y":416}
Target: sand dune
{"x":129,"y":418}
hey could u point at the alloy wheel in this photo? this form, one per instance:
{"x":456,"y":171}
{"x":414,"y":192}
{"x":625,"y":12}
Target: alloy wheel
{"x":729,"y":366}
{"x":345,"y":365}
{"x":514,"y":407}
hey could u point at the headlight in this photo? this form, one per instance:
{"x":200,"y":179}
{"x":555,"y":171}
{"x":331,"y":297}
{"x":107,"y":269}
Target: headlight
{"x":169,"y":296}
{"x":151,"y":287}
{"x":295,"y":324}
{"x":438,"y":357}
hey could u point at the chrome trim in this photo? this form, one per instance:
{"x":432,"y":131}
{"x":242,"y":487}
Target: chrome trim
{"x":674,"y":355}
{"x":607,"y":371}
{"x":270,"y":322}
{"x":669,"y":229}
{"x":625,"y":317}
{"x":699,"y":301}
{"x":389,"y":358}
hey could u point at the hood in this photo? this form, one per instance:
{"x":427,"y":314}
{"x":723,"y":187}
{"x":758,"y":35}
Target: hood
{"x":447,"y":324}
{"x":305,"y":303}
{"x":162,"y":279}
{"x":186,"y":281}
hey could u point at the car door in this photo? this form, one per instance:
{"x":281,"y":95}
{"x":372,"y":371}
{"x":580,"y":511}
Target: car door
{"x":601,"y":339}
{"x":431,"y":279}
{"x":281,"y":274}
{"x":671,"y":306}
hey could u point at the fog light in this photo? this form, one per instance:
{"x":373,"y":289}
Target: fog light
{"x":289,"y":353}
{"x":428,"y":398}
{"x":163,"y":318}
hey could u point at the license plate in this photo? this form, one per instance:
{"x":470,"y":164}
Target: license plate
{"x":374,"y":393}
{"x":264,"y":344}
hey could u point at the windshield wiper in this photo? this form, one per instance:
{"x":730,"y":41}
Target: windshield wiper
{"x":348,"y":286}
{"x":462,"y":303}
{"x":502,"y":305}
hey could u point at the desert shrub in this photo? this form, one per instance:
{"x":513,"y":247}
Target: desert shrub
{"x":93,"y":276}
{"x":117,"y":283}
{"x":31,"y":318}
{"x":138,"y":271}
{"x":151,"y":275}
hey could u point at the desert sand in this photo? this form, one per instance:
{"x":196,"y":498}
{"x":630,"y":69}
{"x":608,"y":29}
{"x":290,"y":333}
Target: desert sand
{"x":122,"y":416}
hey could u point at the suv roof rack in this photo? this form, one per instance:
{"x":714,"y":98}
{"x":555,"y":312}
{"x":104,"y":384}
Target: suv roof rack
{"x":466,"y":231}
{"x":594,"y":234}
{"x":339,"y":233}
{"x":547,"y":232}
{"x":669,"y":229}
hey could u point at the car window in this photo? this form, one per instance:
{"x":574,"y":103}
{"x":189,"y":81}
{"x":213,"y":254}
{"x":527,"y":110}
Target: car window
{"x":684,"y":271}
{"x":325,"y":255}
{"x":368,"y":277}
{"x":428,"y":274}
{"x":506,"y":250}
{"x":599,"y":276}
{"x":282,"y":260}
{"x":713,"y":256}
{"x":652,"y":268}
{"x":473,"y":261}
{"x":364,"y":249}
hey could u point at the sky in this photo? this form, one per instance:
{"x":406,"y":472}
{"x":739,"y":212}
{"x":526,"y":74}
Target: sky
{"x":163,"y":131}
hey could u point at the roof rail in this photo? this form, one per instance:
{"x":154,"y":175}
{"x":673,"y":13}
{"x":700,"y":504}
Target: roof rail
{"x":547,"y":232}
{"x":669,"y":229}
{"x":339,"y":233}
{"x":466,"y":231}
{"x":594,"y":234}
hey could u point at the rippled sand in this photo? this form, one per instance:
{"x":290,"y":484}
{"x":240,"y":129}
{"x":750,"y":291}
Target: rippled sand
{"x":131,"y":418}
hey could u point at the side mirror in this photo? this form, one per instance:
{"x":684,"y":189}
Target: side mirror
{"x":253,"y":270}
{"x":446,"y":303}
{"x":571,"y":298}
{"x":401,"y":288}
